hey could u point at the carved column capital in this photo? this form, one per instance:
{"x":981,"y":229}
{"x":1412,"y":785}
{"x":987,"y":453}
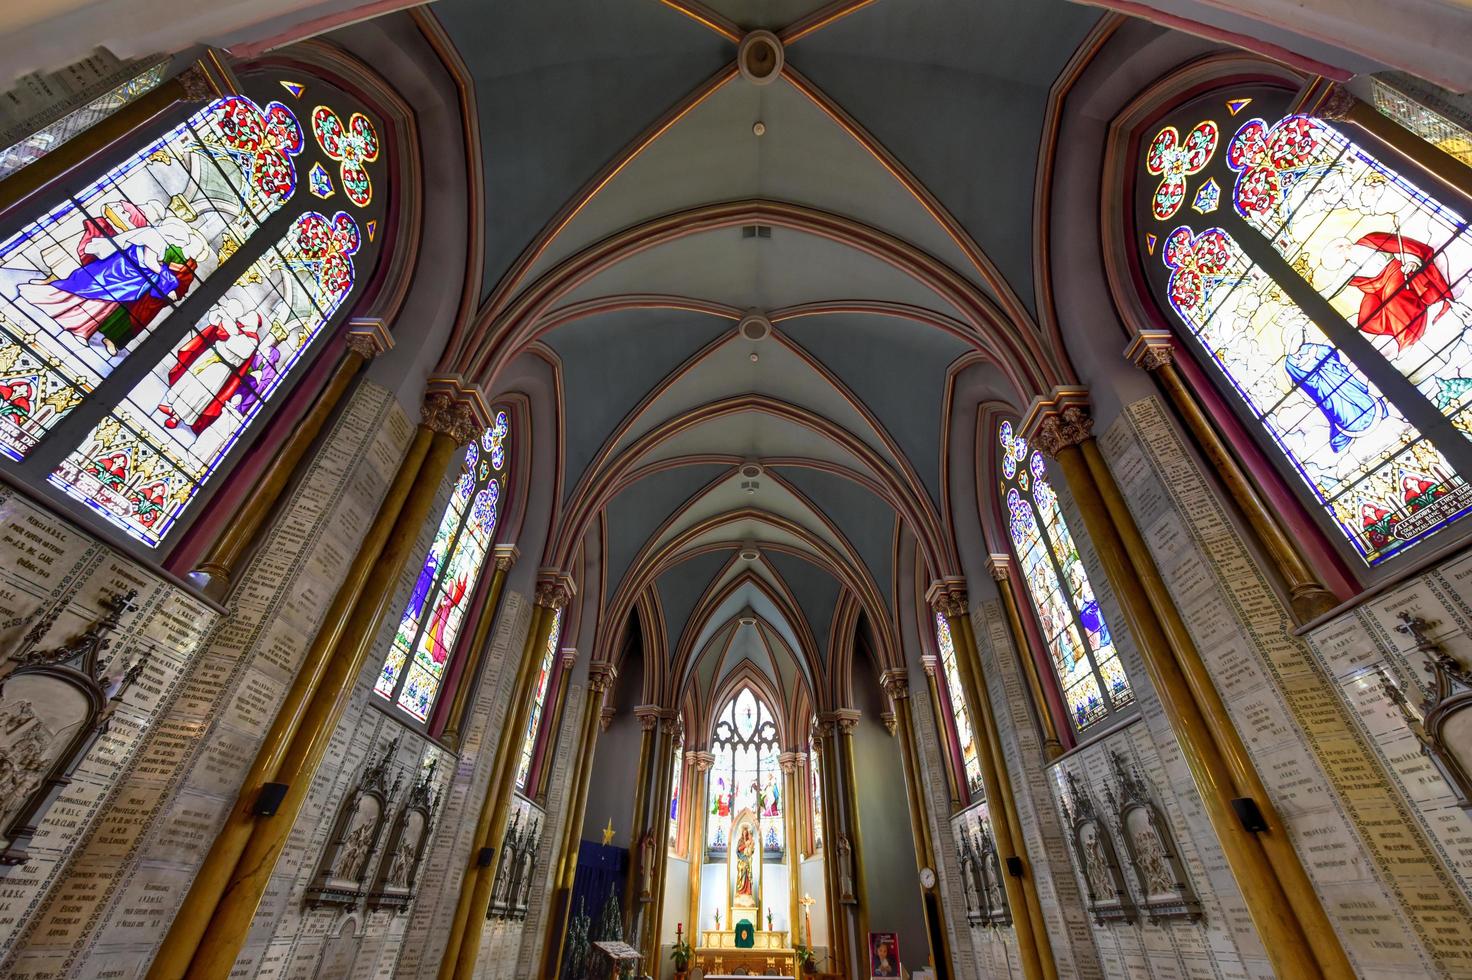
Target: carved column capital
{"x":1336,"y":105}
{"x":825,"y":725}
{"x":896,"y":683}
{"x":702,"y":761}
{"x":196,"y":84}
{"x":368,"y":337}
{"x":948,"y":597}
{"x":1059,"y":420}
{"x":605,"y":717}
{"x":505,"y":555}
{"x":671,"y":724}
{"x":601,"y":677}
{"x":999,"y":566}
{"x":788,"y":762}
{"x":455,"y":408}
{"x":931,"y":663}
{"x":648,"y":715}
{"x":569,"y":659}
{"x":1150,"y":349}
{"x":554,"y":589}
{"x":846,"y":719}
{"x":891,"y":723}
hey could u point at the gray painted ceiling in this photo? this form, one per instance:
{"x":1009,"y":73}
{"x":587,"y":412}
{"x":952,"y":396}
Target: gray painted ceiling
{"x":816,"y":592}
{"x":771,"y":14}
{"x":636,"y":512}
{"x":864,"y":519}
{"x":681,"y":587}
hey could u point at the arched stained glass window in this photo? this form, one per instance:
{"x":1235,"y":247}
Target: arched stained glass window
{"x":1079,"y":642}
{"x":415,"y":666}
{"x":539,"y":702}
{"x":815,"y":777}
{"x":746,"y":780}
{"x":1324,"y":291}
{"x":679,"y":767}
{"x":124,"y":408}
{"x":965,"y":738}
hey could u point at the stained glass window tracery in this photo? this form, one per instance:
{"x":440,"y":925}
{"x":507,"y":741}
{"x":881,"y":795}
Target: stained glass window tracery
{"x":746,"y":776}
{"x":815,"y":778}
{"x":1328,"y":302}
{"x":539,"y":702}
{"x":675,"y":783}
{"x":86,"y":286}
{"x":1078,"y":639}
{"x":414,"y":669}
{"x":950,"y":671}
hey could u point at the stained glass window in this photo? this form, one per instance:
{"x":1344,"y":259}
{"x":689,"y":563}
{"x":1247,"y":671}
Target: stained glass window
{"x":965,"y":738}
{"x":1328,"y":302}
{"x":746,"y":778}
{"x":209,"y":217}
{"x":539,"y":702}
{"x":816,"y":779}
{"x":674,"y":824}
{"x":1079,"y":643}
{"x":415,"y":666}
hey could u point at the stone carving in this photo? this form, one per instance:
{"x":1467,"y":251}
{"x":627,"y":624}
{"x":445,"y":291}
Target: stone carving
{"x":1093,"y":847}
{"x":1444,"y":727}
{"x":342,"y":870}
{"x":404,"y":850}
{"x":845,"y":871}
{"x":511,"y":888}
{"x":989,"y":886}
{"x":1059,"y":430}
{"x":54,"y":704}
{"x":1165,"y":887}
{"x":970,"y":878}
{"x":646,"y":868}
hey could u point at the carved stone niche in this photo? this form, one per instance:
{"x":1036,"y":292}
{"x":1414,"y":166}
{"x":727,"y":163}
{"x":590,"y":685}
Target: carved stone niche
{"x":1165,"y":888}
{"x":342,"y":871}
{"x":1093,"y":847}
{"x":1445,"y":727}
{"x":511,"y":890}
{"x":989,"y":885}
{"x":970,"y":878}
{"x":54,"y":705}
{"x":398,"y":867}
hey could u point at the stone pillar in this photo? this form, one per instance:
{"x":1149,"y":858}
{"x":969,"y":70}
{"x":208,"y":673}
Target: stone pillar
{"x":949,"y":599}
{"x":1154,"y":351}
{"x":554,"y":591}
{"x":648,"y":715}
{"x":791,"y":764}
{"x":365,"y":340}
{"x":658,"y":830}
{"x":212,"y":926}
{"x":600,"y":681}
{"x":845,"y":719}
{"x":697,"y":786}
{"x":836,"y":849}
{"x":504,"y":556}
{"x":1284,"y":906}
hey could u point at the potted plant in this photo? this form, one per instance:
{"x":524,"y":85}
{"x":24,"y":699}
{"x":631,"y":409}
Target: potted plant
{"x":680,"y":952}
{"x":806,"y":958}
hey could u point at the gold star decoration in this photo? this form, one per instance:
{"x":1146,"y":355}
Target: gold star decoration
{"x":608,"y":833}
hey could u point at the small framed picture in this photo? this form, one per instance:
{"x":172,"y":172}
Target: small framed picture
{"x":884,"y":954}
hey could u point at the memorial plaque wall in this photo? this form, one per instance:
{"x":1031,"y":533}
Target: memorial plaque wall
{"x":1392,"y":896}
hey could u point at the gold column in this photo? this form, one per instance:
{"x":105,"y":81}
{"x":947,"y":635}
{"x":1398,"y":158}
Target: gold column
{"x":600,"y":681}
{"x":1063,"y":431}
{"x":554,"y":590}
{"x":246,"y":851}
{"x":699,"y":791}
{"x":896,"y":683}
{"x":791,"y":763}
{"x":552,"y":720}
{"x":504,"y":556}
{"x":648,"y":715}
{"x":846,"y":719}
{"x":838,"y":930}
{"x":1338,"y":105}
{"x":365,"y":340}
{"x":201,"y":81}
{"x":932,"y":667}
{"x":658,"y":829}
{"x":949,"y":599}
{"x":1153,"y":351}
{"x":1001,"y":568}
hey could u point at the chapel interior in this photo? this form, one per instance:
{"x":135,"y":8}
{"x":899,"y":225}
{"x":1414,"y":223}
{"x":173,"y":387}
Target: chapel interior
{"x":687,"y":489}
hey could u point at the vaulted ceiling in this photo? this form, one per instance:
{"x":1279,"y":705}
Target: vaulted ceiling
{"x":874,"y":202}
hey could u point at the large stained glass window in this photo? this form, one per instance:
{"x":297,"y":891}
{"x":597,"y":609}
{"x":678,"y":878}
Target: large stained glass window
{"x":539,"y":702}
{"x":1079,"y":642}
{"x":674,"y":822}
{"x":209,"y":218}
{"x":1324,"y":290}
{"x":746,"y":780}
{"x":415,"y":666}
{"x":965,"y":737}
{"x":815,"y":777}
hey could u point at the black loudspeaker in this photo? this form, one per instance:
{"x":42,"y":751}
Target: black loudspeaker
{"x":484,"y":857}
{"x":268,"y":800}
{"x":1249,"y":815}
{"x":1014,"y":866}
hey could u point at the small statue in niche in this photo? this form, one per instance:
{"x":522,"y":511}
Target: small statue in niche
{"x":403,"y":860}
{"x":354,"y":852}
{"x":646,"y":867}
{"x":1096,"y":866}
{"x":845,"y":870}
{"x":23,"y":757}
{"x":1154,"y":867}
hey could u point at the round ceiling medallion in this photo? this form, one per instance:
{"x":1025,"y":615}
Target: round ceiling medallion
{"x":754,"y":326}
{"x":751,"y":471}
{"x":760,"y":57}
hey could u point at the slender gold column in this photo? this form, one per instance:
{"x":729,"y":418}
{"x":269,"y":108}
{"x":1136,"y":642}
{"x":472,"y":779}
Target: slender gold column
{"x":1061,"y":434}
{"x":552,"y":722}
{"x":365,"y":340}
{"x":1282,"y":858}
{"x":1001,"y":806}
{"x":832,"y":829}
{"x":942,"y":730}
{"x":1340,"y":106}
{"x":897,"y":685}
{"x":846,"y":719}
{"x":1153,"y":351}
{"x":193,"y":85}
{"x":648,"y":715}
{"x":790,"y":763}
{"x":600,"y":681}
{"x":1001,"y":569}
{"x":699,"y":783}
{"x":554,"y":590}
{"x":505,"y":556}
{"x":452,"y":421}
{"x":658,"y":829}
